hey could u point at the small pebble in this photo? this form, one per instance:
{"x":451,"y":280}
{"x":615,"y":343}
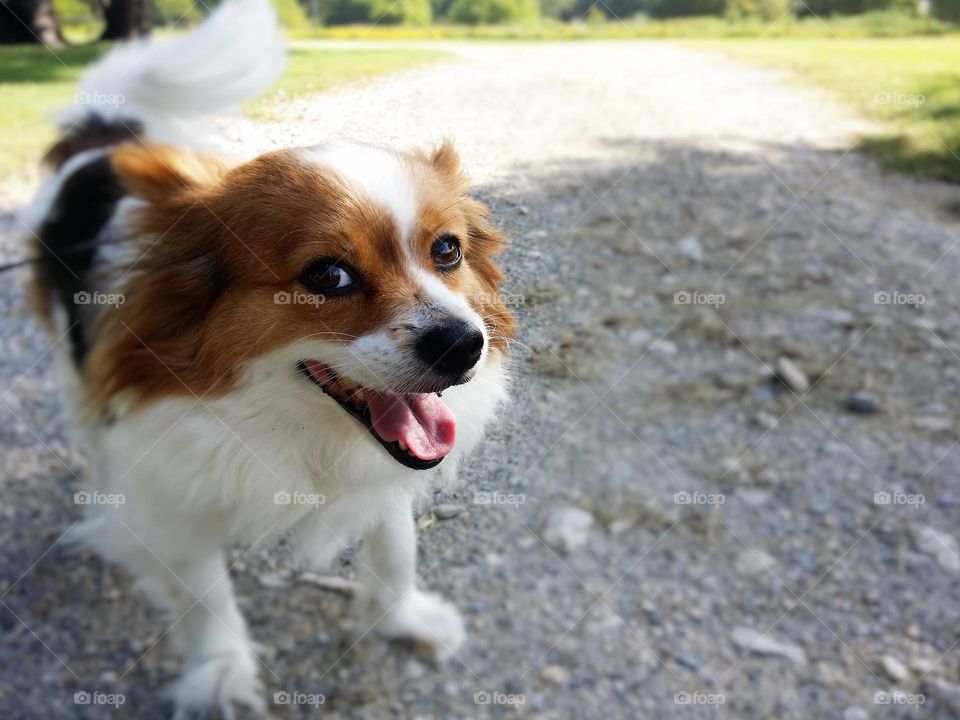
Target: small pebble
{"x":766,"y":420}
{"x":622,"y":525}
{"x":691,"y":247}
{"x":333,"y":583}
{"x":448,"y":511}
{"x":754,"y":562}
{"x":940,"y":546}
{"x":894,"y":669}
{"x":274,"y":581}
{"x":855,"y":712}
{"x":750,"y":640}
{"x":554,"y":675}
{"x":792,"y":376}
{"x":567,"y":528}
{"x":934,"y":424}
{"x":732,"y":469}
{"x":690,"y":662}
{"x":922,"y":665}
{"x":861,"y":403}
{"x":664,"y":347}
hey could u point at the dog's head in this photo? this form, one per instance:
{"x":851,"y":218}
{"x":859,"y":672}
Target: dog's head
{"x":369,"y":272}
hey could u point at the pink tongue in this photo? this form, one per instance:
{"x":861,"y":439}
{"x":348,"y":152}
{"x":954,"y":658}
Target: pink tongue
{"x":422,"y":421}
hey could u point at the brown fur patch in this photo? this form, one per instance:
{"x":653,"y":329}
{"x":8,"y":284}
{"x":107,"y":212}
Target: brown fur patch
{"x":218,"y":245}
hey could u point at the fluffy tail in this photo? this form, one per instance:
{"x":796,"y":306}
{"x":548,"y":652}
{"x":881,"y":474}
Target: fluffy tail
{"x":148,"y":89}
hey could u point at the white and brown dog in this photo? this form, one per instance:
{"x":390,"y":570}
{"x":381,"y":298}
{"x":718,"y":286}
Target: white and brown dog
{"x":261,"y":348}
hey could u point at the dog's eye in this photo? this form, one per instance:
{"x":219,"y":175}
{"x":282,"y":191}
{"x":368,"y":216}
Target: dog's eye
{"x":446,"y":252}
{"x":326,"y":276}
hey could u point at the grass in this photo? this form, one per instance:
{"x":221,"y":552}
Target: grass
{"x":311,"y":69}
{"x":35,"y":83}
{"x":910,"y":85}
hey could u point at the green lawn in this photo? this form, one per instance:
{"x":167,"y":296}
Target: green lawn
{"x":35,"y":83}
{"x":311,"y":69}
{"x":910,"y":85}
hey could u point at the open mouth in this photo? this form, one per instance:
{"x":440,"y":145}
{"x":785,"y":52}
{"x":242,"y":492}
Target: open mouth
{"x":416,"y":429}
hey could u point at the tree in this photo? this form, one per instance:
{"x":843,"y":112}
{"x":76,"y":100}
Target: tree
{"x":127,"y":19}
{"x":476,"y":12}
{"x":766,"y":10}
{"x":947,"y":10}
{"x":558,"y":9}
{"x":381,"y":12}
{"x":29,"y":21}
{"x":686,"y":8}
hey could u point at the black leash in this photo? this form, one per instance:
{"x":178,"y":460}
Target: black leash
{"x":81,"y":247}
{"x":18,"y":263}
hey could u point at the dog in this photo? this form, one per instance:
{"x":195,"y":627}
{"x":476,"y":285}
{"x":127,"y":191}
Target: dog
{"x":304,"y":344}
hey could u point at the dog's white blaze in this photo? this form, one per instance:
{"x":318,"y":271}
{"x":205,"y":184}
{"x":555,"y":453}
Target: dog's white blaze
{"x":441,"y":297}
{"x":378,"y":173}
{"x":384,"y":179}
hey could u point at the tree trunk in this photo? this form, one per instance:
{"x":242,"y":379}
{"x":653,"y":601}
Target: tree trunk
{"x":127,"y":19}
{"x":29,"y":21}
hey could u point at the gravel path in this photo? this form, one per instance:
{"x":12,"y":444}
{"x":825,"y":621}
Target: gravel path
{"x":664,"y":529}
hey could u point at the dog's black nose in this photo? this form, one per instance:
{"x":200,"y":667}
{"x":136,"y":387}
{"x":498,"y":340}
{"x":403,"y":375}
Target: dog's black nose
{"x":451,"y":349}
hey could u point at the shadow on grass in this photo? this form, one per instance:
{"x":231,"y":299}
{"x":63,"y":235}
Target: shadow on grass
{"x":38,"y":64}
{"x":900,"y":153}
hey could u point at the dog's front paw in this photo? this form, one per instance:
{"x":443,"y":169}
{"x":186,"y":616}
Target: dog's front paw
{"x":220,"y":687}
{"x":426,"y":619}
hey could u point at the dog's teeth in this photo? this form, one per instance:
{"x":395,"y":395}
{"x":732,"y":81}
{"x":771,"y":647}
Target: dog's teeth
{"x":360,"y":396}
{"x":402,"y":444}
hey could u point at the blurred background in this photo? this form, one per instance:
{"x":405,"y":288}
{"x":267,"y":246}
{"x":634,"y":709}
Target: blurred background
{"x":726,"y":486}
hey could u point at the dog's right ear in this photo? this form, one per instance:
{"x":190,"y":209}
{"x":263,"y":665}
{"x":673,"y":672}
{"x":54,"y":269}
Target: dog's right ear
{"x":160,"y":174}
{"x":151,"y":343}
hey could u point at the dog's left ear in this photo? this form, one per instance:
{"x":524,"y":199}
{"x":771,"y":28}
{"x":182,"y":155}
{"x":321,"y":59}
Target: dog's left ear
{"x":485,"y":243}
{"x":446,"y":163}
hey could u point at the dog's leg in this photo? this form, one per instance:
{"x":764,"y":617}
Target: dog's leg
{"x":220,"y":667}
{"x":389,"y":599}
